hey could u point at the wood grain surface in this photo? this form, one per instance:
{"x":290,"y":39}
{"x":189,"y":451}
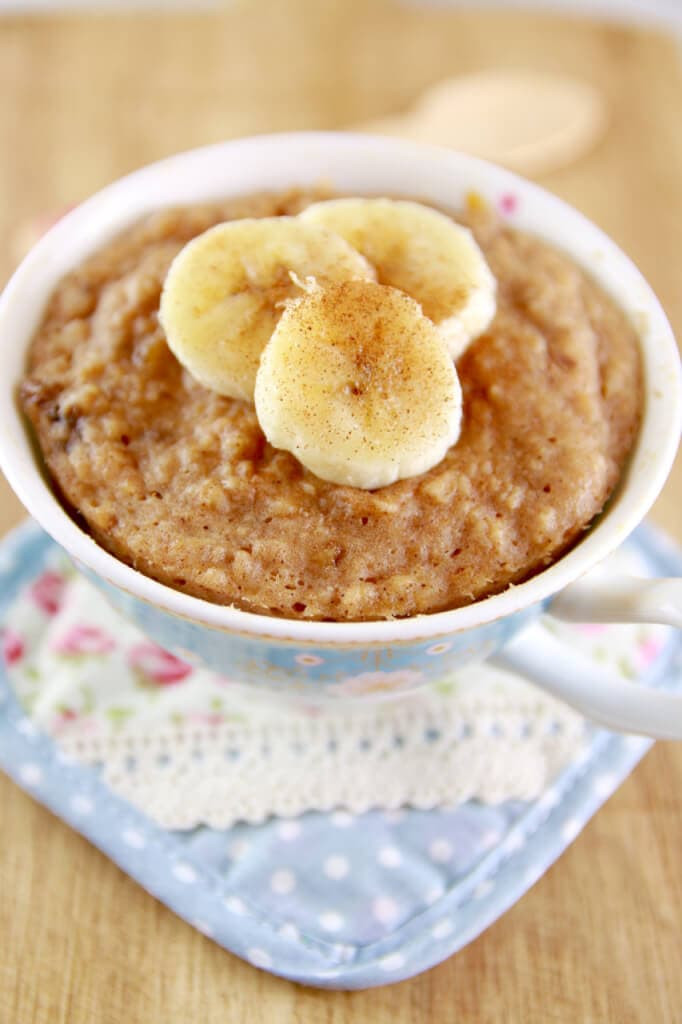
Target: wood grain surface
{"x":82,"y":101}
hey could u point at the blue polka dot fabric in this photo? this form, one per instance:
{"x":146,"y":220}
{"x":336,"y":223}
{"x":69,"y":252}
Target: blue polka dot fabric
{"x":333,"y":900}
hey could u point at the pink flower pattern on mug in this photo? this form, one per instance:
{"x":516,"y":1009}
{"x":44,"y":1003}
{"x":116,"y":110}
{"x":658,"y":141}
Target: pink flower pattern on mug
{"x":47,"y":591}
{"x":649,"y":649}
{"x":83,"y":639}
{"x":376,"y":682}
{"x":154,"y":665}
{"x":508,"y":204}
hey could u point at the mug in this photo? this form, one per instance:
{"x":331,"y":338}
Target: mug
{"x":337,"y":661}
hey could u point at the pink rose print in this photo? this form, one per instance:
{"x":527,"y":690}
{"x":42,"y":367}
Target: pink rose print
{"x":508,"y":204}
{"x":12,"y":647}
{"x":158,"y":666}
{"x":649,"y":650}
{"x":84,"y":640}
{"x":65,"y":716}
{"x":47,"y":592}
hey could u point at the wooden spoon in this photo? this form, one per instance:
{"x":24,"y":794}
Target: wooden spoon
{"x":531,"y":122}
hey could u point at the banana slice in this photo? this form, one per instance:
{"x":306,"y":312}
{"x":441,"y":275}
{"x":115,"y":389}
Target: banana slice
{"x":225,"y":291}
{"x":422,"y":252}
{"x":358,"y":384}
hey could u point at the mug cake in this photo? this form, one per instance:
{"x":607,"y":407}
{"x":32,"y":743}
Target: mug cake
{"x":178,"y":479}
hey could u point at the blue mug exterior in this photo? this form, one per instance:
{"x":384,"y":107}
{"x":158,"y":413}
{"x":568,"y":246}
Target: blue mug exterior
{"x":316,"y":671}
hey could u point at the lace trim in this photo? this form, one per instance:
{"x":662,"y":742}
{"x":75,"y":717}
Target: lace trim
{"x":189,"y":748}
{"x":490,"y":749}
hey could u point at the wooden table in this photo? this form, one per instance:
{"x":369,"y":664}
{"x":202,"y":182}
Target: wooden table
{"x":83,"y":100}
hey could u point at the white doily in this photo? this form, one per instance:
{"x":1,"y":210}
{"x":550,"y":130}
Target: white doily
{"x":188,"y":747}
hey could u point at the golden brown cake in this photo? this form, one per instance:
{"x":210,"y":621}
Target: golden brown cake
{"x":179,"y":482}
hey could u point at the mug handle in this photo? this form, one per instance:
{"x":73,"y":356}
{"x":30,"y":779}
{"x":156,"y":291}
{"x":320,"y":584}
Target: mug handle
{"x":600,"y":695}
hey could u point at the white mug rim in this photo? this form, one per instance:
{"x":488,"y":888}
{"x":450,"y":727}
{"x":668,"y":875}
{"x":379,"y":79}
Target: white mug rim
{"x":113,"y":208}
